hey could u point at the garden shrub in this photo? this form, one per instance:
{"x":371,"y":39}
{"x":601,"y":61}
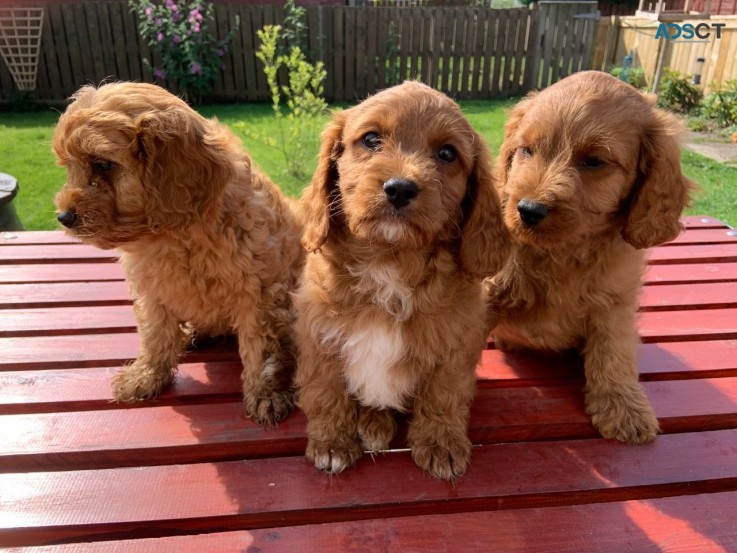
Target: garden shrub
{"x":178,"y":31}
{"x":632,"y":75}
{"x":721,"y":103}
{"x":677,"y":93}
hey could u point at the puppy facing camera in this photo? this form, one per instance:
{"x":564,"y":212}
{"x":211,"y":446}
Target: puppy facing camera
{"x":205,"y":238}
{"x":403,"y":222}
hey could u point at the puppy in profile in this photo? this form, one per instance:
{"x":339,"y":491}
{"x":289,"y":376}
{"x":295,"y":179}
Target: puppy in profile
{"x":403,"y":223}
{"x":589,"y":177}
{"x":205,"y":238}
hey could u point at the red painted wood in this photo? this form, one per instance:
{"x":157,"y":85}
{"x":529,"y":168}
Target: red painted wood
{"x":701,"y":221}
{"x":67,"y":320}
{"x":60,"y":272}
{"x":217,"y":431}
{"x":63,"y":390}
{"x":62,"y":253}
{"x":682,"y":524}
{"x":64,"y":294}
{"x":40,"y":237}
{"x":712,"y":253}
{"x":93,"y":350}
{"x":676,"y":326}
{"x":141,"y":502}
{"x":689,"y":296}
{"x":684,"y":274}
{"x":705,"y":236}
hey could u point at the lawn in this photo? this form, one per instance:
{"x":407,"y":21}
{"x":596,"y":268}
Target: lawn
{"x":25,"y":153}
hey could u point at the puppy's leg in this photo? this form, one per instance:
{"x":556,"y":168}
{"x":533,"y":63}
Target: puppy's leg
{"x":615,"y":399}
{"x":376,"y":427}
{"x":267,"y":352}
{"x":332,"y":433}
{"x":438,"y":433}
{"x":162,"y":341}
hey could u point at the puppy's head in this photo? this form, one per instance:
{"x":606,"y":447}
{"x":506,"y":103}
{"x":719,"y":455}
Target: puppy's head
{"x":139,"y":161}
{"x":404,"y":169}
{"x":588,"y":154}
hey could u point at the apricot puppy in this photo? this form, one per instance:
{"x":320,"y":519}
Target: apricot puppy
{"x":589,"y":176}
{"x":403,"y":222}
{"x":205,"y":238}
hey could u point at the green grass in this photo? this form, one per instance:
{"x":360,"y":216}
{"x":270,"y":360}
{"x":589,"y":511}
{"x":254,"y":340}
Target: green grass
{"x":25,"y":153}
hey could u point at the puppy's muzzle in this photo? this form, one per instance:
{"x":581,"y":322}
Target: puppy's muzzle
{"x":531,"y":212}
{"x":67,"y":218}
{"x":400,"y":191}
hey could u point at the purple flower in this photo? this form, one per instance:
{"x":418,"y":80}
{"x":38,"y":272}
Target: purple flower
{"x":158,"y":22}
{"x":172,"y":5}
{"x":195,"y":68}
{"x":160,"y":37}
{"x":149,"y":13}
{"x":175,"y":17}
{"x":159,"y":73}
{"x":196,"y":27}
{"x":176,"y":39}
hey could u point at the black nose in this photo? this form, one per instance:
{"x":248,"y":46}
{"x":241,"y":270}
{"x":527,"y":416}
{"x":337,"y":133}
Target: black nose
{"x":531,"y":212}
{"x":67,"y":218}
{"x":400,"y":191}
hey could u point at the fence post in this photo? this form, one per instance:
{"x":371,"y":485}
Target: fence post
{"x":532,"y":57}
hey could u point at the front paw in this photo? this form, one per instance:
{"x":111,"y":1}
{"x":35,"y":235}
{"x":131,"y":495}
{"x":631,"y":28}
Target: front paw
{"x":376,"y":429}
{"x":445,"y":457}
{"x":624,"y":414}
{"x":269,"y":406}
{"x":140,"y":381}
{"x":334,"y":456}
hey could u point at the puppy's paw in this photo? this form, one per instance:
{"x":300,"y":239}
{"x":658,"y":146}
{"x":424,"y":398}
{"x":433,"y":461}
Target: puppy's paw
{"x":376,"y":429}
{"x":333,"y":457}
{"x":269,"y":407}
{"x":140,"y":381}
{"x":623,"y":414}
{"x":446,"y":458}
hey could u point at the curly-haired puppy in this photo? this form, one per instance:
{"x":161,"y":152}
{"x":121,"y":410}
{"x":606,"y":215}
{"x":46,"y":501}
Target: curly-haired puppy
{"x":590,"y":175}
{"x":404,"y":221}
{"x":206,"y":239}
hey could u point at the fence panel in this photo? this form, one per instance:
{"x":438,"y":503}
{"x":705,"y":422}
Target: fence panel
{"x":468,"y":52}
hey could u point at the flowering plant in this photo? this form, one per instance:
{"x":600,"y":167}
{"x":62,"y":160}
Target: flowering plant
{"x":179,"y":32}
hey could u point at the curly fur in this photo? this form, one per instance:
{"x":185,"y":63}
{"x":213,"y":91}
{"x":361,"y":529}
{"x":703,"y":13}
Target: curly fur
{"x":606,"y":165}
{"x":205,"y":238}
{"x":390,"y":308}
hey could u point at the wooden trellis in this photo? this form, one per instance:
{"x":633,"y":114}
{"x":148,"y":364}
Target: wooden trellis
{"x":20,"y":43}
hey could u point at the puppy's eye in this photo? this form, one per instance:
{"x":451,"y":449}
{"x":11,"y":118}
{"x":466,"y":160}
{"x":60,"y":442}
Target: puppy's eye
{"x":102,"y":166}
{"x":447,"y":154}
{"x":591,"y":162}
{"x":372,"y":141}
{"x":524,"y":152}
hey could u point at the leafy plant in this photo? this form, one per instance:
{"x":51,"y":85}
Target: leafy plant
{"x":721,"y":104}
{"x":632,"y":75}
{"x":297,"y":105}
{"x":677,"y":93}
{"x":179,"y":32}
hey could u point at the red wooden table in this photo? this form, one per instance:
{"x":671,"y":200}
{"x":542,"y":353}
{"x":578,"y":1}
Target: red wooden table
{"x":189,"y":472}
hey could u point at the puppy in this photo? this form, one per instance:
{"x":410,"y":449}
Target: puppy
{"x":205,"y":238}
{"x":404,"y":222}
{"x":590,"y":175}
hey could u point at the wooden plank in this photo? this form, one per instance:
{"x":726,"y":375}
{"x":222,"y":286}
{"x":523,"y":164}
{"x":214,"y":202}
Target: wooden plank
{"x":669,"y":274}
{"x":447,"y":63}
{"x":676,"y":326}
{"x":328,"y":54}
{"x":57,"y":321}
{"x":349,"y":90}
{"x":60,"y":272}
{"x":85,"y":389}
{"x":689,"y":296}
{"x":415,"y":53}
{"x":225,"y":85}
{"x":41,"y":237}
{"x":458,"y":61}
{"x":108,"y":67}
{"x":710,"y":253}
{"x":480,"y":24}
{"x":532,"y":50}
{"x":63,"y":294}
{"x":490,"y":34}
{"x":499,"y":62}
{"x":89,"y":350}
{"x":705,"y":236}
{"x":702,"y":221}
{"x":338,"y":53}
{"x":692,"y":523}
{"x":135,"y":47}
{"x":436,"y":47}
{"x":519,"y":52}
{"x":244,"y":49}
{"x":219,"y":431}
{"x":54,"y":58}
{"x":262,"y":493}
{"x":118,"y":39}
{"x":71,"y":253}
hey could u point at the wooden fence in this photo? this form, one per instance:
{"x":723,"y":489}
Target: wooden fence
{"x":634,"y":36}
{"x":468,"y":52}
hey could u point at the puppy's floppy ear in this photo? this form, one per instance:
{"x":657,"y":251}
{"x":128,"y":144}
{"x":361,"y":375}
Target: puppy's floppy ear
{"x":485,"y":240}
{"x":509,"y":146}
{"x":661,"y":191}
{"x":318,"y":197}
{"x":187,"y":163}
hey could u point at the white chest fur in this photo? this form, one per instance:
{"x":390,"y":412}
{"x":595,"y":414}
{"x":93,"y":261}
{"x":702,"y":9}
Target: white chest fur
{"x":371,"y":355}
